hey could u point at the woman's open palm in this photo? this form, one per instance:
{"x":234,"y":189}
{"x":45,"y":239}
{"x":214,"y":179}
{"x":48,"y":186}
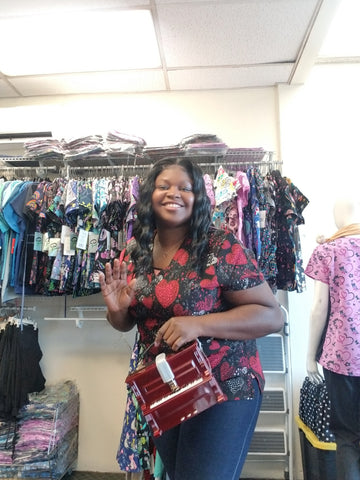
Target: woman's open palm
{"x":117,"y":292}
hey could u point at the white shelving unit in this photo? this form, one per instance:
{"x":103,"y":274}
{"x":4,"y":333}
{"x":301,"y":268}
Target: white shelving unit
{"x":271,"y":449}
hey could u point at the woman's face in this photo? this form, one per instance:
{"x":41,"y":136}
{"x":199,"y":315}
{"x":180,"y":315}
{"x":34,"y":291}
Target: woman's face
{"x":173,"y":197}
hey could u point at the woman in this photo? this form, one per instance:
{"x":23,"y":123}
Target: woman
{"x":181,"y":280}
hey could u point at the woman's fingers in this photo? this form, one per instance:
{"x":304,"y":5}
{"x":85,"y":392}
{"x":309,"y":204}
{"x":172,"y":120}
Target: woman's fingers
{"x":121,"y":270}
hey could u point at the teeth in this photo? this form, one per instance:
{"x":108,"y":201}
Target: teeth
{"x":172,"y":205}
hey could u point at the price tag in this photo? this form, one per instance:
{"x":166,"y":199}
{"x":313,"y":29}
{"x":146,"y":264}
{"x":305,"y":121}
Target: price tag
{"x":38,"y":242}
{"x":45,"y":244}
{"x":54,"y":245}
{"x":93,"y":242}
{"x":262,"y":215}
{"x":70,"y":244}
{"x":65,"y":232}
{"x":82,"y":239}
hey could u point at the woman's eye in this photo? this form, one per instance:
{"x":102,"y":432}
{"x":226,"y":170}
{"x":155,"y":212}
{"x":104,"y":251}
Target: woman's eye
{"x":162,"y":187}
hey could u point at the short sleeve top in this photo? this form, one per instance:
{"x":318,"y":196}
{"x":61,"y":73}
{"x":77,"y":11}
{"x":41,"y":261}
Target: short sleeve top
{"x":179,"y":290}
{"x":337,"y":263}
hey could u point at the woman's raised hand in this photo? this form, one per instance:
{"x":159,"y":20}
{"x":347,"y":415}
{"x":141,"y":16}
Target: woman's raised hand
{"x":117,"y":292}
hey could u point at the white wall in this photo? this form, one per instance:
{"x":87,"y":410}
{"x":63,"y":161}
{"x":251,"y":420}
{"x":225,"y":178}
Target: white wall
{"x":313,"y":129}
{"x":319,"y":147}
{"x":239,"y":117}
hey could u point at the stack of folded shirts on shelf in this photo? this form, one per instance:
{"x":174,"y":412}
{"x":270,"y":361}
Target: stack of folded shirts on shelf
{"x":42,"y":442}
{"x":155,"y":153}
{"x":245,"y":155}
{"x":49,"y":150}
{"x":84,"y":147}
{"x":7,"y":441}
{"x":203,"y":144}
{"x":119,"y":143}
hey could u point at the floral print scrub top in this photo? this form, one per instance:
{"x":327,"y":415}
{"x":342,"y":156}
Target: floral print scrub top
{"x":337,"y":263}
{"x":180,"y":290}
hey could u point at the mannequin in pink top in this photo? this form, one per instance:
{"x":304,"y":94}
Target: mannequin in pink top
{"x":334,"y":336}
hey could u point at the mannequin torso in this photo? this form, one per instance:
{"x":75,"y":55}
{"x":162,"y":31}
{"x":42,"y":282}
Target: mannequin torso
{"x":332,"y":267}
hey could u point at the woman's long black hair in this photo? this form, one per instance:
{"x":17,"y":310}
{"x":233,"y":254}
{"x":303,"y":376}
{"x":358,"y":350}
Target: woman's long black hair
{"x":145,"y":227}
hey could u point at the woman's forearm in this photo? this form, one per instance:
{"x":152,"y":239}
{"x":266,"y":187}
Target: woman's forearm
{"x":242,"y":322}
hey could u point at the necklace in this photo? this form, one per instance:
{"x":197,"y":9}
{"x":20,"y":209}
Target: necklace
{"x":162,"y":256}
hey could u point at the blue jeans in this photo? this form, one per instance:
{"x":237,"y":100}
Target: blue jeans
{"x":344,"y":395}
{"x":212,"y":445}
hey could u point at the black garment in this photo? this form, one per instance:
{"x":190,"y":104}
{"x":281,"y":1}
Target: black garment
{"x":20,"y":372}
{"x":344,"y":394}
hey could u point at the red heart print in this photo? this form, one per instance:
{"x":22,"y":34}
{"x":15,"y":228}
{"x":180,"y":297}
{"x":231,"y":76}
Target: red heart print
{"x":182,"y":257}
{"x":236,"y":256}
{"x":166,"y":292}
{"x":209,"y":283}
{"x":179,"y":310}
{"x":147,"y":302}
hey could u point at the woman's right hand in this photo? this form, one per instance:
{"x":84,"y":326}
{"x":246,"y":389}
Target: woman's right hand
{"x":116,"y":291}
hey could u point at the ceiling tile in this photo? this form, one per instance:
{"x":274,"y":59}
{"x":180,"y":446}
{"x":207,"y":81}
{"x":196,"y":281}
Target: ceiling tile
{"x":260,"y":31}
{"x":204,"y":44}
{"x":108,"y":82}
{"x":215,"y":78}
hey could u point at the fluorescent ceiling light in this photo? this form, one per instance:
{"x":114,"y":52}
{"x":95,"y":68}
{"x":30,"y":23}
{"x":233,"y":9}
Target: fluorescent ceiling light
{"x":343,"y":37}
{"x":78,"y":42}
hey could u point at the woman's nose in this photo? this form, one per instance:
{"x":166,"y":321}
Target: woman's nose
{"x":174,"y":191}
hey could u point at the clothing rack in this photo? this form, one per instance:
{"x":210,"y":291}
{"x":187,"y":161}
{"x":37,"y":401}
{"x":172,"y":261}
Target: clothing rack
{"x":97,"y":165}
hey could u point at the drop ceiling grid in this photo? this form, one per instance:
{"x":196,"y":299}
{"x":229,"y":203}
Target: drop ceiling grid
{"x":229,"y":78}
{"x":233,"y":33}
{"x":213,"y":44}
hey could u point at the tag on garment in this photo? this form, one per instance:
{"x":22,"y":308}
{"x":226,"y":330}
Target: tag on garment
{"x":93,"y":242}
{"x":82,"y":239}
{"x":65,"y":232}
{"x":70,"y":244}
{"x":54,"y":245}
{"x":38,"y":242}
{"x":262,"y":215}
{"x":45,"y":244}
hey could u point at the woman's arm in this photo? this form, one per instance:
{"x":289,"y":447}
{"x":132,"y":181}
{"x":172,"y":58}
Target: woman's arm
{"x":254,"y":313}
{"x":319,"y":313}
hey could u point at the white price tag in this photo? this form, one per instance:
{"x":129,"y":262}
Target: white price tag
{"x":262,"y":215}
{"x":82,"y":239}
{"x":70,"y":244}
{"x":54,"y":245}
{"x":65,"y":232}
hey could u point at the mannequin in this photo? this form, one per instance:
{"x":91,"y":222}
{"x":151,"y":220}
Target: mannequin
{"x":335,"y":268}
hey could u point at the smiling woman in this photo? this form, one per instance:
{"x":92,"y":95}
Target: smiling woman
{"x":181,"y":281}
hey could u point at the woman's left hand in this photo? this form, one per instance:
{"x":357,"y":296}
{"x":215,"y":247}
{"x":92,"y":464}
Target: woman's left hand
{"x":177,"y":332}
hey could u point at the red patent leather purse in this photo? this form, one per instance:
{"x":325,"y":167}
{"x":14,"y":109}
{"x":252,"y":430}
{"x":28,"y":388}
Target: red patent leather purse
{"x":175,"y":387}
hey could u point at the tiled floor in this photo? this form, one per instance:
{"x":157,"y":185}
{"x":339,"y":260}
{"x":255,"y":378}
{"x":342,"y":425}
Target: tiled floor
{"x":102,"y":476}
{"x":94,"y":476}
